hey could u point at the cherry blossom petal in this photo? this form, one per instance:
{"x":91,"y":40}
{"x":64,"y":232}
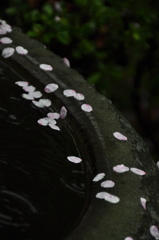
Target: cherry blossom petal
{"x":36,"y":94}
{"x":107,"y":197}
{"x":46,"y":102}
{"x":29,"y":88}
{"x":137,"y":171}
{"x":7,"y":52}
{"x":53,"y":115}
{"x":120,"y":168}
{"x":63,"y":112}
{"x":66,"y":61}
{"x":46,"y":67}
{"x":51,"y":87}
{"x":98,"y":177}
{"x":79,"y":96}
{"x":22,"y":83}
{"x":128,"y":238}
{"x":27,"y":96}
{"x":154,"y":232}
{"x":2,"y":31}
{"x":69,"y":92}
{"x":38,"y":104}
{"x":108,"y":184}
{"x":143,"y":202}
{"x":21,"y":50}
{"x":86,"y":107}
{"x":120,"y":136}
{"x":6,"y":27}
{"x":6,"y":40}
{"x":74,"y":159}
{"x":51,"y":120}
{"x":53,"y":126}
{"x":43,"y":121}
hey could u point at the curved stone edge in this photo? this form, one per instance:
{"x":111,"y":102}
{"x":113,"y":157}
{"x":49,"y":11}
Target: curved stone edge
{"x":102,"y":219}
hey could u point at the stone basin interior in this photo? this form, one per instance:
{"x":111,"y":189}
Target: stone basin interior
{"x":42,"y":194}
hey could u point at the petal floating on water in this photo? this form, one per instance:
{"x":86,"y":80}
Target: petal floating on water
{"x":86,"y":107}
{"x":69,"y":93}
{"x":120,"y":168}
{"x":7,"y":52}
{"x":107,"y":197}
{"x":21,"y":50}
{"x":119,"y":136}
{"x":66,"y":61}
{"x":63,"y":112}
{"x":79,"y":96}
{"x":46,"y":67}
{"x":51,"y":87}
{"x":137,"y":171}
{"x":98,"y":177}
{"x":154,"y":232}
{"x":143,"y":202}
{"x":74,"y":159}
{"x":108,"y":184}
{"x":6,"y":40}
{"x":22,"y":83}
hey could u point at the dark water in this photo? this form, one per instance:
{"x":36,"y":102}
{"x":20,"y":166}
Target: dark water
{"x":42,"y":194}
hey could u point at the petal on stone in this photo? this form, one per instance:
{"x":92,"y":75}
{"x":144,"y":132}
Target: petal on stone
{"x":2,"y":31}
{"x":128,"y":238}
{"x":51,"y":87}
{"x":7,"y":52}
{"x":86,"y":107}
{"x":5,"y":26}
{"x":53,"y":126}
{"x":6,"y":40}
{"x":63,"y":112}
{"x":27,"y":96}
{"x":119,"y":136}
{"x":108,"y":184}
{"x":69,"y":93}
{"x":137,"y":171}
{"x":98,"y":177}
{"x":36,"y":94}
{"x":74,"y":159}
{"x":21,"y":50}
{"x":108,"y":197}
{"x":22,"y":83}
{"x":29,"y":88}
{"x":143,"y":202}
{"x":120,"y":168}
{"x":154,"y":232}
{"x":45,"y":102}
{"x":46,"y":67}
{"x":43,"y":121}
{"x":38,"y":104}
{"x":66,"y":61}
{"x":79,"y":96}
{"x":53,"y":115}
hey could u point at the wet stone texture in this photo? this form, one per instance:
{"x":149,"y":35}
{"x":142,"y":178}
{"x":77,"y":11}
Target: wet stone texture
{"x":116,"y":214}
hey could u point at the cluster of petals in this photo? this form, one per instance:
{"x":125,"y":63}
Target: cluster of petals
{"x":72,"y":93}
{"x":32,"y":94}
{"x":120,"y":136}
{"x":9,"y":51}
{"x":6,"y":40}
{"x":154,"y":232}
{"x":4,"y":27}
{"x":49,"y":121}
{"x":74,"y":159}
{"x":107,"y":197}
{"x":98,"y":177}
{"x":46,"y":67}
{"x":42,"y":103}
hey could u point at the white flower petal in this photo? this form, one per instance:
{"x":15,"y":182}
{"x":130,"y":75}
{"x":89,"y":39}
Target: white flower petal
{"x":51,"y":87}
{"x":98,"y":177}
{"x":45,"y":102}
{"x":154,"y":232}
{"x":128,"y":238}
{"x":29,"y":88}
{"x":38,"y":104}
{"x":43,"y":121}
{"x":7,"y":52}
{"x":74,"y":159}
{"x":22,"y":83}
{"x":107,"y":197}
{"x":137,"y":171}
{"x":5,"y":26}
{"x":66,"y":61}
{"x":6,"y":40}
{"x":63,"y":112}
{"x":79,"y":96}
{"x":69,"y":93}
{"x":53,"y":126}
{"x":143,"y":202}
{"x":53,"y":115}
{"x":27,"y":96}
{"x":86,"y":107}
{"x":51,"y":120}
{"x":2,"y":31}
{"x":119,"y":136}
{"x":108,"y":184}
{"x":120,"y":168}
{"x":21,"y":50}
{"x":46,"y":67}
{"x":36,"y":94}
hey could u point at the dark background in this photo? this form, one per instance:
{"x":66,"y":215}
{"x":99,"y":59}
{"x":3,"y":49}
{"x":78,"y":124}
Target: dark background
{"x":114,"y":44}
